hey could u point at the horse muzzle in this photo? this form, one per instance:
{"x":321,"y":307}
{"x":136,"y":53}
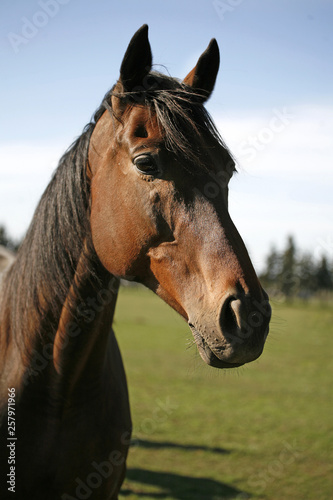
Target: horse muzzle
{"x":238,"y":334}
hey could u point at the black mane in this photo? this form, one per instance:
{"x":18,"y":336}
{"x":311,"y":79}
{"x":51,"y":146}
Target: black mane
{"x":181,"y":116}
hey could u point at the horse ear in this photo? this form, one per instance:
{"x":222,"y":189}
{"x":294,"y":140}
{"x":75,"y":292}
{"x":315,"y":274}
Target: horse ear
{"x":203,"y":76}
{"x":137,"y":60}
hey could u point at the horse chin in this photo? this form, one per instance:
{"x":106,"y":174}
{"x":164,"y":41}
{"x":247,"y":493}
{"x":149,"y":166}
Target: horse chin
{"x":209,"y":357}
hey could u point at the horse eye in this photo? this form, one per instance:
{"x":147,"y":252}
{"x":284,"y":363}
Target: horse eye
{"x":145,"y":164}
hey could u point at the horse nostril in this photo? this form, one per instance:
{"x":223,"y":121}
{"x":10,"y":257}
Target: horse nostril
{"x":230,"y":315}
{"x":245,"y":316}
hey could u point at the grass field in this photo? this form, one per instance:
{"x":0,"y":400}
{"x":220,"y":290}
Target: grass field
{"x":263,"y":431}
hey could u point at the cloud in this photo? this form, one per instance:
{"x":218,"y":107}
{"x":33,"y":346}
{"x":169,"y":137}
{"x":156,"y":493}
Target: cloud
{"x":305,"y":136}
{"x":285,"y":182}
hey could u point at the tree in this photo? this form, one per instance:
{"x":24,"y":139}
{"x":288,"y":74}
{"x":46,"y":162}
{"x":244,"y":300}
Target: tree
{"x":6,"y":240}
{"x":292,"y":273}
{"x":289,"y":281}
{"x":306,"y":271}
{"x":323,"y":276}
{"x":272,"y":270}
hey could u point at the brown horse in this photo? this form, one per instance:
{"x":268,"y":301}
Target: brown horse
{"x":141,"y":195}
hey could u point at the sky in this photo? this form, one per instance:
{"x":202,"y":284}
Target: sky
{"x":272,"y":102}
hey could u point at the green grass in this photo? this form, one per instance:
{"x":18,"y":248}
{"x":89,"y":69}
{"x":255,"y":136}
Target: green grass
{"x":263,"y":431}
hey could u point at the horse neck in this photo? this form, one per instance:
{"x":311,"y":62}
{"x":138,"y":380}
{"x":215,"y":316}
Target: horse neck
{"x":58,"y":351}
{"x":84,"y":327}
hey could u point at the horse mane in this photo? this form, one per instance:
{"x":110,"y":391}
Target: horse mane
{"x":36,"y":286}
{"x":181,"y":116}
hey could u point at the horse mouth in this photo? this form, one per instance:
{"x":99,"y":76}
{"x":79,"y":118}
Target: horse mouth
{"x":208,"y":355}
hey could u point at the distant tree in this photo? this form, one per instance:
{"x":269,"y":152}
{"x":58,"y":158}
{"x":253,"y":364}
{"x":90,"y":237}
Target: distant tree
{"x":269,"y":276}
{"x":306,"y":271}
{"x":323,"y":276}
{"x":292,"y":273}
{"x":289,"y":280}
{"x":6,"y":240}
{"x":273,"y":265}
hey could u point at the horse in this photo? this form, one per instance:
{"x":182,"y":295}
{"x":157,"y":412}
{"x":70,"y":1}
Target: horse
{"x":141,"y":195}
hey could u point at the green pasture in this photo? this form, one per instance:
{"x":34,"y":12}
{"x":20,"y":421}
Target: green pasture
{"x":263,"y":431}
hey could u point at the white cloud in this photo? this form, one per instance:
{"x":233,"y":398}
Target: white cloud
{"x":285,"y":185}
{"x":305,"y":131}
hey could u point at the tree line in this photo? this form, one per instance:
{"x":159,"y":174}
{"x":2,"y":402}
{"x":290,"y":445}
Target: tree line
{"x":292,"y":273}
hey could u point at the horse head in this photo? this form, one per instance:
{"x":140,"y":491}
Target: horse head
{"x":159,"y":175}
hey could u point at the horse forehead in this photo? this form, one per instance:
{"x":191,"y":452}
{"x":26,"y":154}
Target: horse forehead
{"x":142,"y":116}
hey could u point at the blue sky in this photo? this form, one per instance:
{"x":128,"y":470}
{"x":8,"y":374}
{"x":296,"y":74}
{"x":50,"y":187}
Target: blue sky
{"x":273,"y":100}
